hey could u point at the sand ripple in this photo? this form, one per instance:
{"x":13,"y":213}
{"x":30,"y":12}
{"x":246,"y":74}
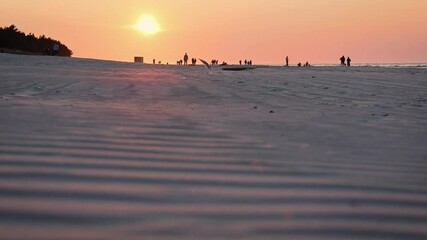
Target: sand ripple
{"x":137,"y":154}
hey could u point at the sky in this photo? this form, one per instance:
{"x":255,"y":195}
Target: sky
{"x":264,"y":31}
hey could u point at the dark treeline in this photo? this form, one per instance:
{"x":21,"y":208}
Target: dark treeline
{"x":13,"y":39}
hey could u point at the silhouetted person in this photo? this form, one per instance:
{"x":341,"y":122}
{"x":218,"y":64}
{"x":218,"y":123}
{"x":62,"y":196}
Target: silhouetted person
{"x":55,"y":49}
{"x":246,"y":62}
{"x":250,"y":62}
{"x":299,"y":64}
{"x":348,"y":61}
{"x":240,"y":62}
{"x":154,"y":61}
{"x":287,"y":61}
{"x":342,"y":61}
{"x":185,"y":59}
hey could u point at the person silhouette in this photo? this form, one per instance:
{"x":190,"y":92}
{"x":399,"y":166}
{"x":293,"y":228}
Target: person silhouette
{"x":185,"y":59}
{"x":287,"y":61}
{"x":154,"y":61}
{"x":240,"y":62}
{"x":342,"y":60}
{"x":348,"y":61}
{"x":55,"y":49}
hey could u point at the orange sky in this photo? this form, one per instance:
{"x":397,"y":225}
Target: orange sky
{"x":265,"y":31}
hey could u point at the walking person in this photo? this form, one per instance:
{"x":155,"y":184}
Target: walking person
{"x":348,"y":61}
{"x":287,"y":61}
{"x":342,"y":59}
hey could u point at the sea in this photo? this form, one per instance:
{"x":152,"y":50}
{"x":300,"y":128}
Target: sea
{"x":385,"y":65}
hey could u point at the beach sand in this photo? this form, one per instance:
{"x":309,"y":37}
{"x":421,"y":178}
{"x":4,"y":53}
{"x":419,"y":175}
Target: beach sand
{"x":93,"y":149}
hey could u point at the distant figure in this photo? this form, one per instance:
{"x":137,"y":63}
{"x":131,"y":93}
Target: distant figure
{"x":287,"y":61}
{"x":240,"y":62}
{"x":55,"y":49}
{"x":348,"y":61}
{"x":342,"y":61}
{"x":250,"y":62}
{"x":299,"y":64}
{"x":185,"y":59}
{"x":154,"y":61}
{"x":246,"y":62}
{"x":307,"y":64}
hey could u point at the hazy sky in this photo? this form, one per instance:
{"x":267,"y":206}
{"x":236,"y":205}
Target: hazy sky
{"x":319,"y":31}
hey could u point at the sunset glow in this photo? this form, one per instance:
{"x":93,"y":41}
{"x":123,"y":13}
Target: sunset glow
{"x":147,"y":24}
{"x":264,"y":31}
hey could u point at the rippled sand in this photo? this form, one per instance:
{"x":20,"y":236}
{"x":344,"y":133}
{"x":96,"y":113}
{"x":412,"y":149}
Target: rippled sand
{"x":104,"y":150}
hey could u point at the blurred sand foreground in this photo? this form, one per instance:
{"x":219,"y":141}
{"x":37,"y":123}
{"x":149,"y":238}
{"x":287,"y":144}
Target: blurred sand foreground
{"x":94,"y":149}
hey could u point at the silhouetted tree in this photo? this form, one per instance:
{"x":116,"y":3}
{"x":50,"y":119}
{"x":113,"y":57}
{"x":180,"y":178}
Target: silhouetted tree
{"x":12,"y":38}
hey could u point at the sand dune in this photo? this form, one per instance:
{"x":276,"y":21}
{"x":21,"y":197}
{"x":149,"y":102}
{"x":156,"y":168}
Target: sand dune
{"x":95,"y":149}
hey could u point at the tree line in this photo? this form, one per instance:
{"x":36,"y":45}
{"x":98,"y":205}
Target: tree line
{"x":14,"y":41}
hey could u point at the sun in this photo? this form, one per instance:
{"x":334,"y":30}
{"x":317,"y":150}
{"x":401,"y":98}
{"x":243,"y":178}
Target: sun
{"x":147,"y":24}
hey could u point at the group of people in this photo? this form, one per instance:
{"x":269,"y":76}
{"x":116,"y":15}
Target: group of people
{"x":159,"y":62}
{"x":214,"y":62}
{"x":184,"y":61}
{"x":342,"y":59}
{"x":54,"y":51}
{"x":306,"y":64}
{"x":247,"y":62}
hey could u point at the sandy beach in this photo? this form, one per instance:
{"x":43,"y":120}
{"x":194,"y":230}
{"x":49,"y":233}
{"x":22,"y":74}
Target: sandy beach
{"x":93,"y":149}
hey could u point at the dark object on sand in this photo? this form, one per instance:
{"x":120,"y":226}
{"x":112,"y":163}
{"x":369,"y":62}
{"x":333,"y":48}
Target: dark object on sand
{"x":237,"y":68}
{"x":205,"y":63}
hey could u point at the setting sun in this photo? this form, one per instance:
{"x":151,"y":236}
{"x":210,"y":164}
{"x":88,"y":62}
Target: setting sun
{"x":147,"y":24}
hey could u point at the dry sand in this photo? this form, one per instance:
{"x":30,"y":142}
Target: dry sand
{"x":95,"y":149}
